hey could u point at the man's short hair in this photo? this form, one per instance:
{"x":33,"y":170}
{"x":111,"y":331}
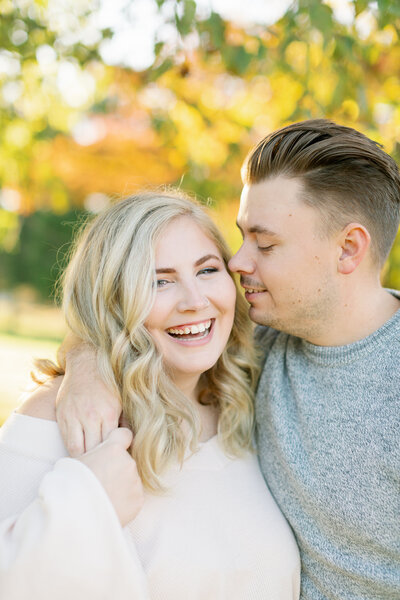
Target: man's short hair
{"x":345,"y":175}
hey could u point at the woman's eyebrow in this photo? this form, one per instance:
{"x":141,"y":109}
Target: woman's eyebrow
{"x":198,"y":262}
{"x":165,"y":270}
{"x":205,"y":258}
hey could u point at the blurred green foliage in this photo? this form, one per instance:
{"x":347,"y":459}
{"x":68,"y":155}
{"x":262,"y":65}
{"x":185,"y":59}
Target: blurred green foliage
{"x":74,"y":128}
{"x":40,"y":253}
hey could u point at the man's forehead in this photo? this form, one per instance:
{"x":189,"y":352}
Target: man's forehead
{"x":252,"y":208}
{"x":271,"y":205}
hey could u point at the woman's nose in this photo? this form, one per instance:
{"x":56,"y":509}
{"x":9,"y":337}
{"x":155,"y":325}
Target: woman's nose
{"x":193,"y":298}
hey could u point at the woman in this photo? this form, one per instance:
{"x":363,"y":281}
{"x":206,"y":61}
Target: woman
{"x":148,"y":287}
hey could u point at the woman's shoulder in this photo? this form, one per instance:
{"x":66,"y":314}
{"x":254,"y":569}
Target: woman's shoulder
{"x":41,"y":402}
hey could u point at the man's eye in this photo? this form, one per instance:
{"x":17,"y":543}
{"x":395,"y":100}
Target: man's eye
{"x":266,"y":248}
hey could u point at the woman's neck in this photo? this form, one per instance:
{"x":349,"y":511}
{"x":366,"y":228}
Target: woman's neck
{"x":208,"y":413}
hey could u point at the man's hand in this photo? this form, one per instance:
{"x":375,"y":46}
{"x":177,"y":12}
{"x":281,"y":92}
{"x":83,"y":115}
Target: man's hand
{"x":86,"y":409}
{"x":117,"y":472}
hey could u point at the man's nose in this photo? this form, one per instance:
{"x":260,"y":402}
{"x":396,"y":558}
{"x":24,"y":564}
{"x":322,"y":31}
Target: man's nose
{"x":242,"y":261}
{"x":193,"y":298}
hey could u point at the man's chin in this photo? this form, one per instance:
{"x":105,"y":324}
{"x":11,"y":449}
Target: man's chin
{"x":260,"y":317}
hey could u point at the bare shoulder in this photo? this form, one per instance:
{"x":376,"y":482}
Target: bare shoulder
{"x":41,"y":403}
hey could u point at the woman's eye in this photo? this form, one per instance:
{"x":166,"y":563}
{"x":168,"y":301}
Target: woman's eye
{"x":162,"y":282}
{"x":208,"y":270}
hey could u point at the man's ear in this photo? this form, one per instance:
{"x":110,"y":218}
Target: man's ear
{"x":354,"y":242}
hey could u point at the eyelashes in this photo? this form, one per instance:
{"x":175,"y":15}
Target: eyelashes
{"x":206,"y":271}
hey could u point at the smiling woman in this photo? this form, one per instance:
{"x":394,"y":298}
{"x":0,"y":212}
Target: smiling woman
{"x":148,"y":291}
{"x":136,"y":271}
{"x":192,"y":315}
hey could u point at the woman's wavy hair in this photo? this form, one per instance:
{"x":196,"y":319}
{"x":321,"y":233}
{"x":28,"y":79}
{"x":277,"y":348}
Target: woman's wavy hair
{"x":108,"y":292}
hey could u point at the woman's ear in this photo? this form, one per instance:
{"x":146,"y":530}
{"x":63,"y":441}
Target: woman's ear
{"x":354,"y":243}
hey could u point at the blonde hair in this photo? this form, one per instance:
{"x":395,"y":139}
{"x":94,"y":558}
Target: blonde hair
{"x":108,"y":292}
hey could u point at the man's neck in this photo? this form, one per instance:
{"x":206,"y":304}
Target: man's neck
{"x":357,"y":316}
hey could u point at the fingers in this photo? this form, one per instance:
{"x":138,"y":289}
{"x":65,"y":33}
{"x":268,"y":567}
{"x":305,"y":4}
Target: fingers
{"x":109,"y":425}
{"x":74,"y":438}
{"x":122,"y":436}
{"x":92,"y":435}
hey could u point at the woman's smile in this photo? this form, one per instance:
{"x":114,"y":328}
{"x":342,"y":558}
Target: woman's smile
{"x":195,"y":298}
{"x":192,"y":333}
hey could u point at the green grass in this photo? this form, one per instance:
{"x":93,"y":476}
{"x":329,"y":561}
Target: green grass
{"x":31,"y":320}
{"x":16,"y":355}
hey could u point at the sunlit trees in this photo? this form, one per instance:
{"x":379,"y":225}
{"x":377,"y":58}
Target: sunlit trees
{"x":76,"y":130}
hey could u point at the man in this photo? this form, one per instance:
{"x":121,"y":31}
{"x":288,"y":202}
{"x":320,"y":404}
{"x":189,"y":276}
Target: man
{"x":319,"y":213}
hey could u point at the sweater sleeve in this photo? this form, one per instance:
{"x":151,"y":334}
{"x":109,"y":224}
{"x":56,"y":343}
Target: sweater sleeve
{"x":66,"y":542}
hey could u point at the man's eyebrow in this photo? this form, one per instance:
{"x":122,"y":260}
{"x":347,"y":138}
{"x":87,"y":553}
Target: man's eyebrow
{"x":259,"y":229}
{"x":264,"y":230}
{"x":198,"y":262}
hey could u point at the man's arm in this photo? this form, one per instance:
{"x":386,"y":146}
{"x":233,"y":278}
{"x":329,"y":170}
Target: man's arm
{"x":86,"y":409}
{"x":71,"y":520}
{"x":109,"y":461}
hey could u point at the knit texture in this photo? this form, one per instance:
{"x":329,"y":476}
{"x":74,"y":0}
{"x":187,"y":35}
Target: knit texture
{"x":328,"y":434}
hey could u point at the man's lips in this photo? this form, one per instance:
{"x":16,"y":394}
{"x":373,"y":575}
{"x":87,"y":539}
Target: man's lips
{"x":254,"y":291}
{"x":252,"y":287}
{"x":252,"y":294}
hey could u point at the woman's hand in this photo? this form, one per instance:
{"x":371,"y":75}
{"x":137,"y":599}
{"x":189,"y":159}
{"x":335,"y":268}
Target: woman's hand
{"x":116,"y":470}
{"x":86,"y":410}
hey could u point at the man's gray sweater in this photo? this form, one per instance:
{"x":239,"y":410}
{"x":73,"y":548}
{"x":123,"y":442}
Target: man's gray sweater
{"x":328,"y":434}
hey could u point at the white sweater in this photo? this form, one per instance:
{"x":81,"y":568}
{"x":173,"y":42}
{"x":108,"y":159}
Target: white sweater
{"x":217,"y":533}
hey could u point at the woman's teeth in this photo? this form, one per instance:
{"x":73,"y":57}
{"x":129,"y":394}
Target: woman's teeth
{"x":190,"y":329}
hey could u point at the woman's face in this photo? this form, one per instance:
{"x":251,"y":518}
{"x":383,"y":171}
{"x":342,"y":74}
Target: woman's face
{"x":193,"y":312}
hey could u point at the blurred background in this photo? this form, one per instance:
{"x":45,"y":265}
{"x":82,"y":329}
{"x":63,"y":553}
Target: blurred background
{"x":102,"y":98}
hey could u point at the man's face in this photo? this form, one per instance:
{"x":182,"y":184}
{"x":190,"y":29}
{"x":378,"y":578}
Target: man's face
{"x":288,"y":268}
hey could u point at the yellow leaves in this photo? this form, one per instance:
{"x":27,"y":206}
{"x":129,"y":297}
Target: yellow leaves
{"x":316,"y":55}
{"x":176,"y":159}
{"x":153,"y":131}
{"x":391,"y":88}
{"x":224,"y":215}
{"x":251,"y":45}
{"x":296,"y":55}
{"x":194,"y":138}
{"x":212,"y":98}
{"x":17,"y":134}
{"x":6,"y":7}
{"x":114,"y":166}
{"x":207,"y":149}
{"x":286,"y":94}
{"x":303,"y":57}
{"x":322,"y":85}
{"x":60,"y":118}
{"x":249,"y":101}
{"x":387,"y":36}
{"x":35,"y":105}
{"x":228,"y":132}
{"x":59,"y":200}
{"x":350,"y":110}
{"x":187,"y":118}
{"x":9,"y":229}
